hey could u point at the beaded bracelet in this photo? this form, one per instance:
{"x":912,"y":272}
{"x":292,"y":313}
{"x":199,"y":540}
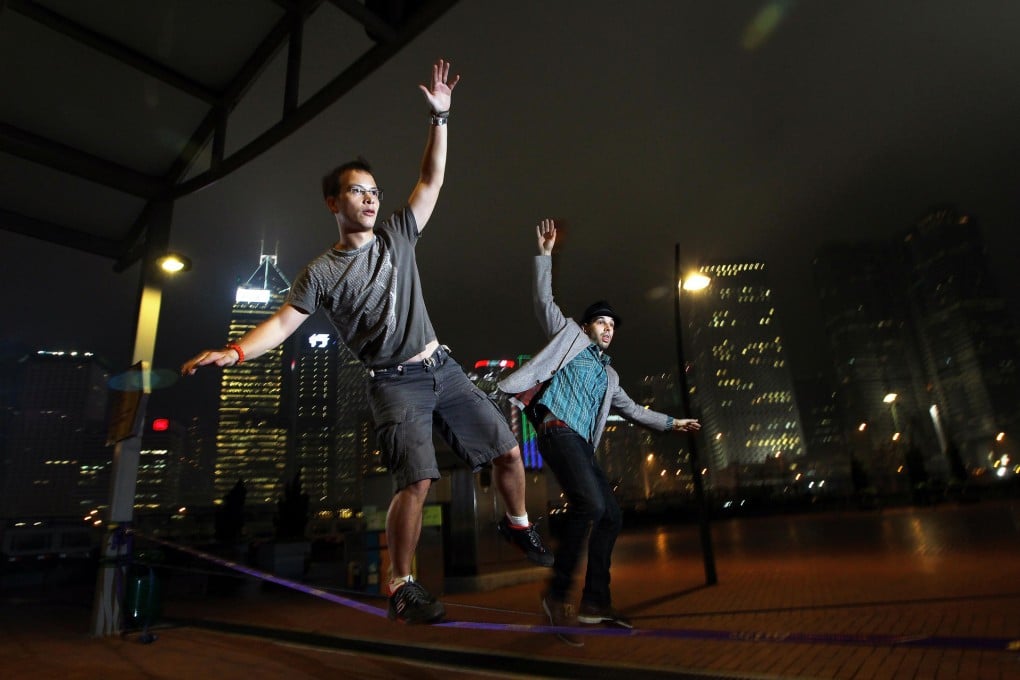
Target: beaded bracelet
{"x":237,"y":348}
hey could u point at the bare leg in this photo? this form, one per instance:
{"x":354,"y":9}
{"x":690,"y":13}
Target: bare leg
{"x":403,"y":526}
{"x":508,"y":473}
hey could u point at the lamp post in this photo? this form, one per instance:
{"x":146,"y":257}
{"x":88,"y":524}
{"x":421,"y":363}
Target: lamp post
{"x":890,"y":399}
{"x":707,"y":554}
{"x":156,"y":263}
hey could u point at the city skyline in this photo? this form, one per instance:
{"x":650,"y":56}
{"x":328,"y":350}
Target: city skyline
{"x":683,"y":123}
{"x":892,"y":325}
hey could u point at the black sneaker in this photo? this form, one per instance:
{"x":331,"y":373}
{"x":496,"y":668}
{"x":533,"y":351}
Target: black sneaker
{"x":413,"y":604}
{"x":527,"y":540}
{"x":591,"y":614}
{"x":561,"y":615}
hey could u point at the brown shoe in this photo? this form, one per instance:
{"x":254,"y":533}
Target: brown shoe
{"x":561,"y":615}
{"x":591,"y":614}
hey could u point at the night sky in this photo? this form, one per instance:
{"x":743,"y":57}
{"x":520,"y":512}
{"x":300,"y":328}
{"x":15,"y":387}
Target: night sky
{"x":737,"y":129}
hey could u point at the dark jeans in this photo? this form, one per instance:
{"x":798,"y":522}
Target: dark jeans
{"x":591,"y":508}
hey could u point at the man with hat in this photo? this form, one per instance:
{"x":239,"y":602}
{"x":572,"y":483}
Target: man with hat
{"x":567,"y":391}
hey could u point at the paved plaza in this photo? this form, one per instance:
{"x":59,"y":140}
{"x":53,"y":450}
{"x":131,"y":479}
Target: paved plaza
{"x":926,"y":593}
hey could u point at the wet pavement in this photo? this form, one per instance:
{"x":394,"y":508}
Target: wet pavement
{"x":899,"y":593}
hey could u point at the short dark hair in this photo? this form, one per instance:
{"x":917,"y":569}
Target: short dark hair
{"x":331,"y":180}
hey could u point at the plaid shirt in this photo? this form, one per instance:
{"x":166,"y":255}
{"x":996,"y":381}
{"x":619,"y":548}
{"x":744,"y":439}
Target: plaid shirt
{"x":575,"y":393}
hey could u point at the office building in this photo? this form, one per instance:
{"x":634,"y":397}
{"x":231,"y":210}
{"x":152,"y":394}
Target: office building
{"x":969,"y":342}
{"x":868,"y":321}
{"x":331,"y":424}
{"x":924,"y":350}
{"x":742,"y":386}
{"x":56,"y":462}
{"x":251,"y":442}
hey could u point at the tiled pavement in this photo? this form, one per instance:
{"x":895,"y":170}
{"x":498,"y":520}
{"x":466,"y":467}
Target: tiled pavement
{"x":906,"y":593}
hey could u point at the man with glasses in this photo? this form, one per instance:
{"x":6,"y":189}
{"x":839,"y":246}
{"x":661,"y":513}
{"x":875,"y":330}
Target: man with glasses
{"x":567,"y":391}
{"x":369,"y":285}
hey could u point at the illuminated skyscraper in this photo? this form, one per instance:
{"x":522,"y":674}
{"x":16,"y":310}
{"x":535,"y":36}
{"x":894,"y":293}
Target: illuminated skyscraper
{"x":331,"y":421}
{"x":921,"y":318}
{"x":741,"y":379}
{"x":251,"y":443}
{"x":56,"y":462}
{"x":356,"y":453}
{"x":314,"y":393}
{"x":163,"y":461}
{"x":863,"y":295}
{"x":970,"y":343}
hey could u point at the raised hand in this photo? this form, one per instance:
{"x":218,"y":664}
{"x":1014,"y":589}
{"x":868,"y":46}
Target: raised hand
{"x":440,"y":89}
{"x":546,"y":231}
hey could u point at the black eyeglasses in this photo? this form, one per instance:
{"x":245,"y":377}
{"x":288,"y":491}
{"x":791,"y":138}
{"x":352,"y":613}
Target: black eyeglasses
{"x":360,"y":191}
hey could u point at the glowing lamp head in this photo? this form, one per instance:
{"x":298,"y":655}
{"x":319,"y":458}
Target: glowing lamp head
{"x":696,"y":281}
{"x":172,"y":263}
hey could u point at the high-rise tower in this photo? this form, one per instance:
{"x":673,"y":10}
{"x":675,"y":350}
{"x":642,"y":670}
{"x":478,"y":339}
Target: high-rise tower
{"x":742,"y":381}
{"x":925,"y":352}
{"x":251,"y":443}
{"x":969,"y":342}
{"x":331,"y":432}
{"x":56,"y":462}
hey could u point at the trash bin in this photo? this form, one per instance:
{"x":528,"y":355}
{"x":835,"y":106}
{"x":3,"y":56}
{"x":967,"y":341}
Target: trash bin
{"x":143,"y":603}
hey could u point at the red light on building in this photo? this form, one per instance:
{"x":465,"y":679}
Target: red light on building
{"x":160,"y":424}
{"x":494,"y":363}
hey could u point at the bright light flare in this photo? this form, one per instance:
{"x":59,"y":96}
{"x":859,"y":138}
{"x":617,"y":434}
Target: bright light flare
{"x":696,"y":282}
{"x":172,"y":263}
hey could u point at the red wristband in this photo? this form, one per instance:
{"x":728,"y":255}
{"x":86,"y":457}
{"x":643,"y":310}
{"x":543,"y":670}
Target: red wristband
{"x":237,"y":348}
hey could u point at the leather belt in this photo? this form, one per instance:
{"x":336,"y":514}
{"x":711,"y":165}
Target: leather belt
{"x":547,"y":425}
{"x":437,"y":359}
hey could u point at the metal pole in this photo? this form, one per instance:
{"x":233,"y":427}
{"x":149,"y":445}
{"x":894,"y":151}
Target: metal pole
{"x":708,"y":556}
{"x":116,"y":549}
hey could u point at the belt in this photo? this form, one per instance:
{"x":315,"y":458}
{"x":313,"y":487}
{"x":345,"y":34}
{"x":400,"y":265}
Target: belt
{"x":437,"y":359}
{"x":547,"y":425}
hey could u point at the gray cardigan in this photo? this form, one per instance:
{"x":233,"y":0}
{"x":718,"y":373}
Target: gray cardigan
{"x":567,"y":340}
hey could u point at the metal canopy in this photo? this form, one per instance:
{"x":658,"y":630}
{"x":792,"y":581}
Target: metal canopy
{"x":112,"y":107}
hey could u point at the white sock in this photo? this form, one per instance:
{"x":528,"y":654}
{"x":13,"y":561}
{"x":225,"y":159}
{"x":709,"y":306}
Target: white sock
{"x":518,"y":520}
{"x":399,"y":581}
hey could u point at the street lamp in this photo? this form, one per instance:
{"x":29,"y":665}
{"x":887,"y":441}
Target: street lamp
{"x":172,"y":263}
{"x":694,"y":282}
{"x":106,"y":613}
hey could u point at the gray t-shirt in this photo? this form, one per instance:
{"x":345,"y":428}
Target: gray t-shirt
{"x":372,"y":295}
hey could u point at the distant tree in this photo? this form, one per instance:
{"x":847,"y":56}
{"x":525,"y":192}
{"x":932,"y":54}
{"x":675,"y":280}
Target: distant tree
{"x":858,"y":475}
{"x":229,"y":516}
{"x":292,"y":511}
{"x":957,"y":468}
{"x":917,"y":472}
{"x":916,"y":469}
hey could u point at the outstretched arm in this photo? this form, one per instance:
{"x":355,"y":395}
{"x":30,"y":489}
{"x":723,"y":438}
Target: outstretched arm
{"x":623,"y":404}
{"x":433,"y":165}
{"x":254,"y":343}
